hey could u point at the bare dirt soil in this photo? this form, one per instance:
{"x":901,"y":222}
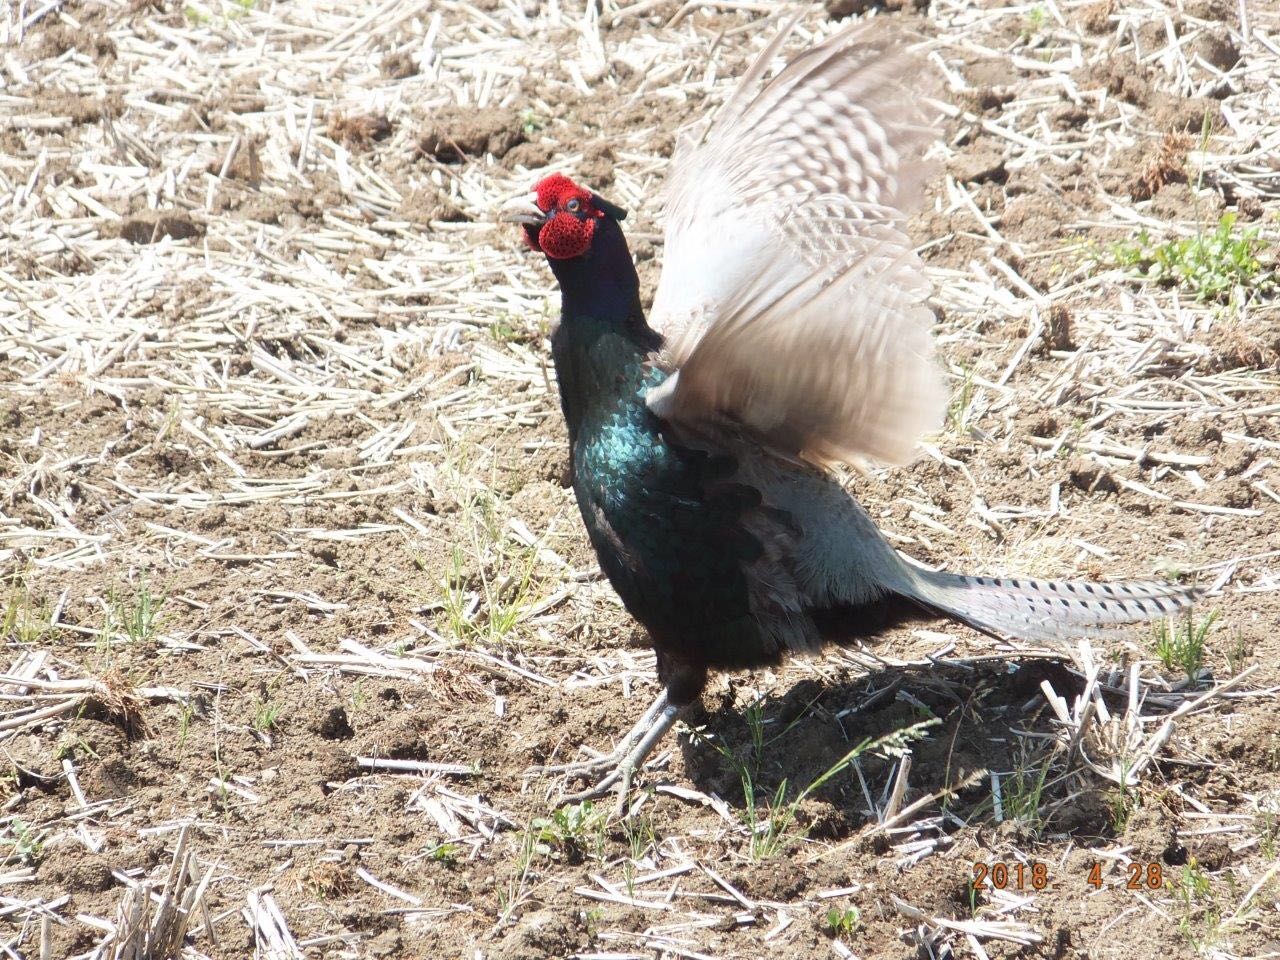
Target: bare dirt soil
{"x":282,"y":500}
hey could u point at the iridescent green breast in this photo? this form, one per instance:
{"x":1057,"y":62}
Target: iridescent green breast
{"x":663,"y":518}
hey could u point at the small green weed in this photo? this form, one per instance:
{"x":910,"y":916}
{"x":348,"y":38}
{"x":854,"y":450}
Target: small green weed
{"x":1181,"y":645}
{"x":564,"y":835}
{"x":641,"y":835}
{"x":1238,"y":654}
{"x":641,"y":838}
{"x":490,"y":586}
{"x":530,"y":122}
{"x":24,"y":844}
{"x":506,"y":328}
{"x":185,"y":714}
{"x":72,"y":746}
{"x":1122,"y":800}
{"x":1221,"y":265}
{"x":1034,"y":22}
{"x":1201,"y":916}
{"x":267,"y":716}
{"x":446,"y":853}
{"x":958,"y":410}
{"x":1267,"y":823}
{"x":134,"y":614}
{"x":360,"y":695}
{"x":515,"y":892}
{"x":569,"y":831}
{"x":843,"y":923}
{"x":972,"y":890}
{"x":1023,"y":791}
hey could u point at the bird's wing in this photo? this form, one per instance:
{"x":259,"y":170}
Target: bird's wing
{"x":791,"y":301}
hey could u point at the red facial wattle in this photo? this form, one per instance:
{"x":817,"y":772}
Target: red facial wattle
{"x":565,"y":236}
{"x":568,"y":231}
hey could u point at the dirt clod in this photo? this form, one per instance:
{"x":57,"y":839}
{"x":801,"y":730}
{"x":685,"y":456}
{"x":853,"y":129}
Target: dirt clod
{"x":334,"y":725}
{"x":359,"y":130}
{"x":1090,"y":476}
{"x":454,"y":135}
{"x":984,"y":164}
{"x":153,"y":226}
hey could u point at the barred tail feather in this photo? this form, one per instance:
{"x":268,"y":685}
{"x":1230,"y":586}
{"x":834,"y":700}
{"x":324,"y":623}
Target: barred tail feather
{"x":1046,"y":610}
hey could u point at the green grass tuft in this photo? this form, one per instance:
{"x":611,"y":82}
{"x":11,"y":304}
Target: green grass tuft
{"x":267,"y":716}
{"x":960,"y":407}
{"x":1181,"y":645}
{"x":491,"y":584}
{"x":23,"y":619}
{"x":771,"y":817}
{"x":134,"y":614}
{"x":1023,"y":792}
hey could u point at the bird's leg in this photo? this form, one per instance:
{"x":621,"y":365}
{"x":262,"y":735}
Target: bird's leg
{"x":621,"y":749}
{"x":625,"y":769}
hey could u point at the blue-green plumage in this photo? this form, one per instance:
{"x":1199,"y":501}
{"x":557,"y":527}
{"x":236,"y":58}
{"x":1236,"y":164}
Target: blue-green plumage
{"x":666,"y":520}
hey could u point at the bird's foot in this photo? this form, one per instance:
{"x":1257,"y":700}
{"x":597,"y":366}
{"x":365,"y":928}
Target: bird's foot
{"x":619,"y":777}
{"x":606,"y":761}
{"x":620,"y":764}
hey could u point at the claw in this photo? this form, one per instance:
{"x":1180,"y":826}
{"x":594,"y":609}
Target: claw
{"x":580,"y":767}
{"x":621,"y":775}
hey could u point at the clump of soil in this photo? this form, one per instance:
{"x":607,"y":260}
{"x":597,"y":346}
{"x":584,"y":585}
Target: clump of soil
{"x":839,"y":9}
{"x":983,"y":164}
{"x":458,"y":134}
{"x":154,"y":225}
{"x":1096,"y":18}
{"x":358,"y":130}
{"x":399,"y":65}
{"x":85,"y":109}
{"x":425,"y":205}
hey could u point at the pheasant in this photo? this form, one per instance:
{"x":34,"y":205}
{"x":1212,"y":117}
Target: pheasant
{"x":789,"y":332}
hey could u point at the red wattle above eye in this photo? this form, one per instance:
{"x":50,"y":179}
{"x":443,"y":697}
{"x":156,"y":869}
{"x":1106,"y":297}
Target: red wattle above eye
{"x":565,"y":236}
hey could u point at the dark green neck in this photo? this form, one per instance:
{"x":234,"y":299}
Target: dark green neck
{"x":602,"y":283}
{"x":603,"y":339}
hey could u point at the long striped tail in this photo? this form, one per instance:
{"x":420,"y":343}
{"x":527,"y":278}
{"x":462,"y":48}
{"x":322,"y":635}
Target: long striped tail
{"x":1046,"y":610}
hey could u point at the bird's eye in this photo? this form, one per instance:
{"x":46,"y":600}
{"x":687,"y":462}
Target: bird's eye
{"x":573,"y":205}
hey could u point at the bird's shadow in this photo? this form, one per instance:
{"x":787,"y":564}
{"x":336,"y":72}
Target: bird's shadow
{"x":758,"y":754}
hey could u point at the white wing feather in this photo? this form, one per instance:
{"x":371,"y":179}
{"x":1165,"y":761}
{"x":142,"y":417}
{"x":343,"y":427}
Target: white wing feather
{"x":790,"y":298}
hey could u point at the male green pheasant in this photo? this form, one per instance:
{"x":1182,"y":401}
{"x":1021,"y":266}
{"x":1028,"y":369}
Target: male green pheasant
{"x":789,"y":332}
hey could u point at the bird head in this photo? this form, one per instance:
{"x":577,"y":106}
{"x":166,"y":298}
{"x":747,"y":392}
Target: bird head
{"x":560,"y":218}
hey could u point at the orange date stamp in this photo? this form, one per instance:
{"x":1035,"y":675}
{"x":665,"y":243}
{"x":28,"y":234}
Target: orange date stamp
{"x":1034,"y":876}
{"x":1010,"y":876}
{"x":1137,"y":876}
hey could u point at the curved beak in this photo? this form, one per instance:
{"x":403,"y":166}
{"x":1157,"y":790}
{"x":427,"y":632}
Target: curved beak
{"x":523,"y":209}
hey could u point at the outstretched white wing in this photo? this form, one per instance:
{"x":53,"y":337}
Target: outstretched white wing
{"x":791,"y":301}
